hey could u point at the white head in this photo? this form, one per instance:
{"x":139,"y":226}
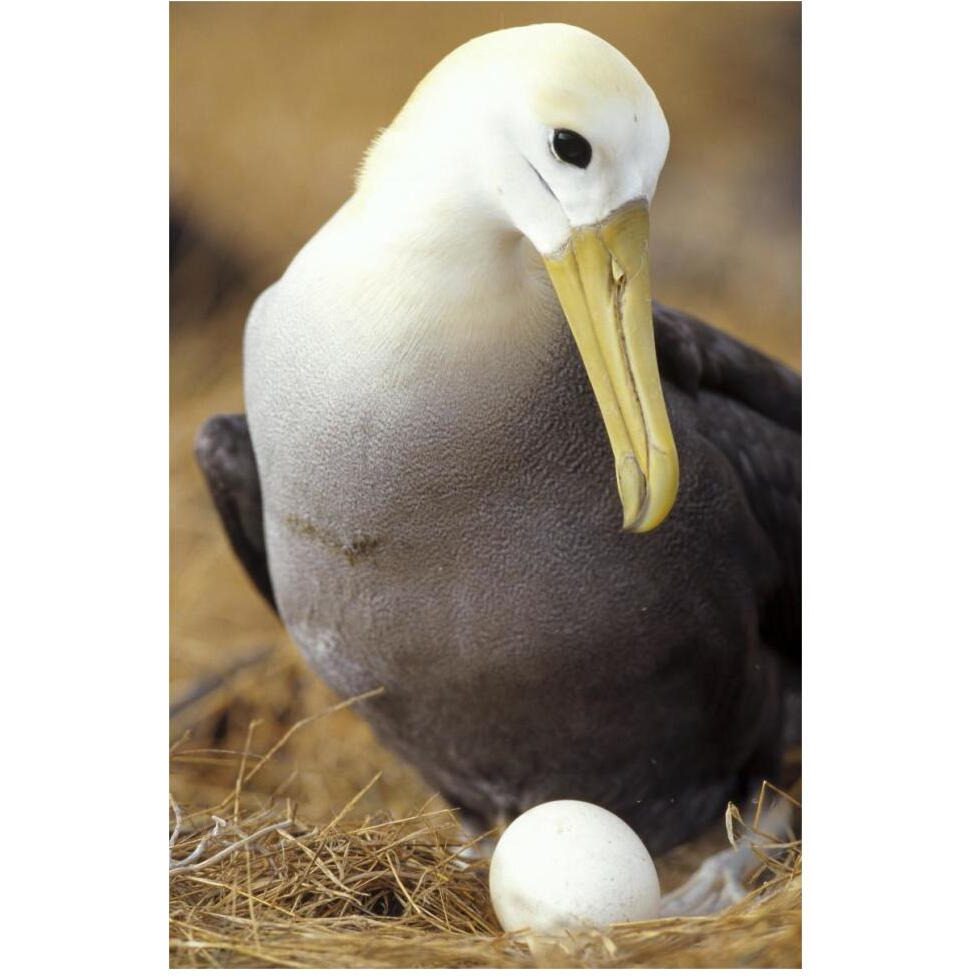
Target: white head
{"x":486,"y":119}
{"x":531,"y":148}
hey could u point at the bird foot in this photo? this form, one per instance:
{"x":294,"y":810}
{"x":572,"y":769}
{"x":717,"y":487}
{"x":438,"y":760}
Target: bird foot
{"x":716,"y":885}
{"x":719,"y":882}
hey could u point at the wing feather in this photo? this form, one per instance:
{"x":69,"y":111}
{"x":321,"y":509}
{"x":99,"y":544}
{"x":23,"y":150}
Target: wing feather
{"x":226,"y":457}
{"x":749,"y":407}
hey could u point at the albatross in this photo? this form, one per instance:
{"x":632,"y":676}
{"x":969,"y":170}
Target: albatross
{"x":557,"y":525}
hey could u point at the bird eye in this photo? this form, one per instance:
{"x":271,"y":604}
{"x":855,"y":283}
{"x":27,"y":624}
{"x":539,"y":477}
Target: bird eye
{"x":571,"y":148}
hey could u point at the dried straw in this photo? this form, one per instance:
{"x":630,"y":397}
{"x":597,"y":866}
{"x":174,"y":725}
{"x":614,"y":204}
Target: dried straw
{"x":253,"y":884}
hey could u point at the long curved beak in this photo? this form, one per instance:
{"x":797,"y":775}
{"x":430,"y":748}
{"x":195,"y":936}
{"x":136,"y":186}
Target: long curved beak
{"x":601,"y":279}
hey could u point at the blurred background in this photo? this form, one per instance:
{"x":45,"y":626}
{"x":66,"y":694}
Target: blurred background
{"x":271,"y":107}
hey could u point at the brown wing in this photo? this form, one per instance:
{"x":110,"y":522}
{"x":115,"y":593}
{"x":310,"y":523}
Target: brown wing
{"x":226,"y":457}
{"x":750,"y":409}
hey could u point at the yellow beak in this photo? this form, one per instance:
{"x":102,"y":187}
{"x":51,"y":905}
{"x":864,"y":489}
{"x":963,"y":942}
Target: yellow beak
{"x":601,"y":279}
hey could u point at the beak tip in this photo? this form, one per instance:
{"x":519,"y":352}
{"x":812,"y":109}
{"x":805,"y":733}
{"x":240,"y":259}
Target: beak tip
{"x":647,"y":503}
{"x":632,"y":487}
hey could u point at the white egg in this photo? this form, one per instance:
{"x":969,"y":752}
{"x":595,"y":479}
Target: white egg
{"x":569,"y":865}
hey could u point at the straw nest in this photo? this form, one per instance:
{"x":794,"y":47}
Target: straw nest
{"x":269,"y":869}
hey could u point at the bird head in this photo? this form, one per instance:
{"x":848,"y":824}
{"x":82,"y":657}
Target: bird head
{"x":549,"y":135}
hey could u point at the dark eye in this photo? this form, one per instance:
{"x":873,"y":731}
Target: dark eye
{"x":571,"y":148}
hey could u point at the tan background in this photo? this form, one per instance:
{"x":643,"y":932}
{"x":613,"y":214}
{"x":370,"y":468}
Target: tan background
{"x":272,"y":106}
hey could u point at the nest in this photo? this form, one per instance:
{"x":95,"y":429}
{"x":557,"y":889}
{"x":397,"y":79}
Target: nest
{"x":256,"y":883}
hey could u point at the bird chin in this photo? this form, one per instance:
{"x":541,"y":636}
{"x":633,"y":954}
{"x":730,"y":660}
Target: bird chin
{"x":601,"y":279}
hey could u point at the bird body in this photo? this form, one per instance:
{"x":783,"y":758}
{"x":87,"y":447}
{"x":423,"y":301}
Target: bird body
{"x":439,"y":518}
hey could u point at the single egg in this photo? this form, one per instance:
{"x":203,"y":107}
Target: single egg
{"x":569,"y":865}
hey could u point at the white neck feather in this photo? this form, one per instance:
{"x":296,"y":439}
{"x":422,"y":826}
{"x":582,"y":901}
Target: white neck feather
{"x":426,"y":274}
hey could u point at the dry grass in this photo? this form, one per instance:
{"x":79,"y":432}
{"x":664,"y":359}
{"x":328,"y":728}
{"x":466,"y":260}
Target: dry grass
{"x":256,"y":884}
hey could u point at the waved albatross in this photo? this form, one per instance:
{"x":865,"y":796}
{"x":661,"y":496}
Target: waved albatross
{"x":455,"y":391}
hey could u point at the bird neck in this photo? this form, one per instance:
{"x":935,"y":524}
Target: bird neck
{"x":442,"y":280}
